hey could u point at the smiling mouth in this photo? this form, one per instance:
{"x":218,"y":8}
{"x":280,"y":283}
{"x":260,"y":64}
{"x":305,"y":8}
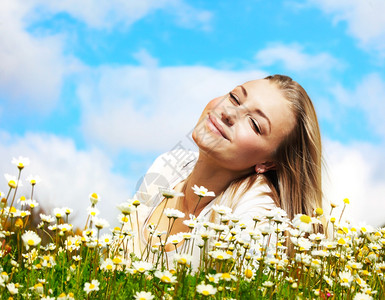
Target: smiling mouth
{"x":216,"y":127}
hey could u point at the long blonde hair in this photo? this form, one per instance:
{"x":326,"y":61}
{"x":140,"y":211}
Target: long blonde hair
{"x":295,"y":184}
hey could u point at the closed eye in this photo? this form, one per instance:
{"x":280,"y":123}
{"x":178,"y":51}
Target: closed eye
{"x":255,"y":126}
{"x":234,"y":99}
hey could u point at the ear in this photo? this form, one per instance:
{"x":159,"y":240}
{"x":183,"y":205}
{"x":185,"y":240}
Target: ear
{"x":263,"y":167}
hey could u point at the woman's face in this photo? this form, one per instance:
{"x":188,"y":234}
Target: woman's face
{"x":243,"y":129}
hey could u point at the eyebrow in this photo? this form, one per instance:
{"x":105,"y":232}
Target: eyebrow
{"x":258,"y":111}
{"x":243,"y":90}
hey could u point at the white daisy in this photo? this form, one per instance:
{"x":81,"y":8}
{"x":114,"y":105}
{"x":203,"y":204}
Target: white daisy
{"x":143,"y":296}
{"x":32,"y":203}
{"x":94,"y":198}
{"x":91,"y":286}
{"x":169,"y":193}
{"x":33,"y":179}
{"x":108,"y":265}
{"x":206,"y":289}
{"x":58,"y":212}
{"x":12,"y":288}
{"x":304,"y":222}
{"x":165,"y":276}
{"x":12,"y":181}
{"x":93,"y":211}
{"x":142,"y":266}
{"x":202,"y":191}
{"x":221,"y":209}
{"x":173,"y":213}
{"x":101,"y":223}
{"x":21,"y":162}
{"x":174,"y":239}
{"x":346,"y":278}
{"x":126,"y":208}
{"x":30,"y":238}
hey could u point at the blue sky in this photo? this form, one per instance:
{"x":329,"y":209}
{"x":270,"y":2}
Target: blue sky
{"x":93,"y":92}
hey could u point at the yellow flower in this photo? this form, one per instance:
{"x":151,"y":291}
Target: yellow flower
{"x":346,"y":201}
{"x":319,"y":211}
{"x":94,"y":198}
{"x":305,"y":219}
{"x":249,"y":273}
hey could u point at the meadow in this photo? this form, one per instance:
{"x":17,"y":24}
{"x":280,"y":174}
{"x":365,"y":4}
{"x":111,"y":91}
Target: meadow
{"x":271,"y":257}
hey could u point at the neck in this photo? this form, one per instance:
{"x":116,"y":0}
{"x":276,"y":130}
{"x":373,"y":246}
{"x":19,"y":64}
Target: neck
{"x":211,"y":175}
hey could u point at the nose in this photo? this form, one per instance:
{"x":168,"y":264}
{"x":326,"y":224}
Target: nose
{"x":227,"y":117}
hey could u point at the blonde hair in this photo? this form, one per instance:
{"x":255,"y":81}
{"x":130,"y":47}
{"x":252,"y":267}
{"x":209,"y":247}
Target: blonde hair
{"x":295,"y":184}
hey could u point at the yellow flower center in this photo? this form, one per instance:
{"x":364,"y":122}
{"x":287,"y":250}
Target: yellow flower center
{"x":182,"y":261}
{"x":165,"y":279}
{"x":109,"y":267}
{"x":12,"y":209}
{"x":346,"y":201}
{"x":33,"y":181}
{"x":117,"y":260}
{"x":305,"y":219}
{"x":319,"y":211}
{"x":205,"y":292}
{"x":248,"y":273}
{"x":341,"y":241}
{"x":141,"y":270}
{"x":226,"y":276}
{"x":19,"y":223}
{"x":31,"y":242}
{"x":345,"y":280}
{"x":12,"y":184}
{"x":94,"y":195}
{"x":92,"y":286}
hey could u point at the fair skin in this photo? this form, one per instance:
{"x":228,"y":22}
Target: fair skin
{"x":237,"y":135}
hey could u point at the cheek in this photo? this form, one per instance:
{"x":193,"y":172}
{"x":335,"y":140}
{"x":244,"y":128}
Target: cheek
{"x":199,"y":130}
{"x":252,"y":147}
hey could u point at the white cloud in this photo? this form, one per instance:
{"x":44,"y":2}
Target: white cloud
{"x":294,"y":59}
{"x":369,"y":97}
{"x":365,"y":19}
{"x":68,"y":175}
{"x":32,"y":68}
{"x":106,"y":14}
{"x":150,"y":108}
{"x":356,"y":172}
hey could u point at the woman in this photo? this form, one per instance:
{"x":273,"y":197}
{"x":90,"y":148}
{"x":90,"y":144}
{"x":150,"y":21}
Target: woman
{"x":259,"y":148}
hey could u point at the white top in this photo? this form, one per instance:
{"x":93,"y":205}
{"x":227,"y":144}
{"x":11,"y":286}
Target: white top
{"x":172,"y":167}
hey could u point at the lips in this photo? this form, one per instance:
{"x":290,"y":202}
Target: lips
{"x":216,"y":127}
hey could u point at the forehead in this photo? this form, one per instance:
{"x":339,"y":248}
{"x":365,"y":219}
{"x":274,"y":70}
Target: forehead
{"x":266,"y":96}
